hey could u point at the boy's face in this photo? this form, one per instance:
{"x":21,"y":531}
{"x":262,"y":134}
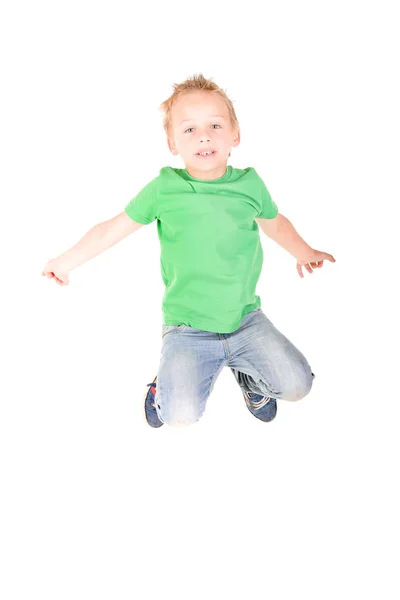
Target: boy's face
{"x":202,"y":130}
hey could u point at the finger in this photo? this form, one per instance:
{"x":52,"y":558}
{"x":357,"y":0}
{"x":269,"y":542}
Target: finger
{"x":300,"y":272}
{"x":309,"y":269}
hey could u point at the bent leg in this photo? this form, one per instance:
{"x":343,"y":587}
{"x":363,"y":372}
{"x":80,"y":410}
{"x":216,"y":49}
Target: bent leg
{"x":188,"y":369}
{"x":265,"y":362}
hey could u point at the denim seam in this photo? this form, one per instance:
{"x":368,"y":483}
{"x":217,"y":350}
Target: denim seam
{"x":216,"y":374}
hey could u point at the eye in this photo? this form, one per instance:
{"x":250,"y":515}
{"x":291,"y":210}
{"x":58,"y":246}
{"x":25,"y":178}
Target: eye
{"x":217,"y":124}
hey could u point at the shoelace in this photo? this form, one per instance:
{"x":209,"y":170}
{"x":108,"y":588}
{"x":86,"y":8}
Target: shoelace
{"x":259,"y":403}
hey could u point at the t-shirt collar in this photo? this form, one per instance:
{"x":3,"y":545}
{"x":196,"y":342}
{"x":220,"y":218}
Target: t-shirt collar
{"x":224,"y":177}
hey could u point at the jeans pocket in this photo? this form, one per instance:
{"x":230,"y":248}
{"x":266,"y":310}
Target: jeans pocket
{"x":172,"y":328}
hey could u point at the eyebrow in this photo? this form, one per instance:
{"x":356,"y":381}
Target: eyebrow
{"x":211,"y":116}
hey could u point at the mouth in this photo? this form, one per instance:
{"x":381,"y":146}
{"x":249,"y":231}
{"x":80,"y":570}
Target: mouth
{"x":206,"y":154}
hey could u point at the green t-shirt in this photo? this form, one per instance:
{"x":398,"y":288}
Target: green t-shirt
{"x":211,"y":253}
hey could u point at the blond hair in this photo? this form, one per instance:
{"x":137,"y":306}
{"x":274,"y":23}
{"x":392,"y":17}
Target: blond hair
{"x":196,"y":83}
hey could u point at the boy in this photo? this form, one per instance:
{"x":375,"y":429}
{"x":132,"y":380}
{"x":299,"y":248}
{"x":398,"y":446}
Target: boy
{"x":211,"y":259}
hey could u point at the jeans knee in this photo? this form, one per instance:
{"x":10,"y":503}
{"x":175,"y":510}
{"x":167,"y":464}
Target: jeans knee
{"x":301,"y":390}
{"x":179,"y":418}
{"x":176,"y":423}
{"x":179,"y":412}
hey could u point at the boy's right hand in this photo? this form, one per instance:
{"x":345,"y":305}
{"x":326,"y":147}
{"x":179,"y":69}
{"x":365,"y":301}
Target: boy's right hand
{"x":54,"y":270}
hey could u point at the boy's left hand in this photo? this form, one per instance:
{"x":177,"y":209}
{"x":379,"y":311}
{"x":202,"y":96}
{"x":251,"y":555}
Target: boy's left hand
{"x":314,"y":259}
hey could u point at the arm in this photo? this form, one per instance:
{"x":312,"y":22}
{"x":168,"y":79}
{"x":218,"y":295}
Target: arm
{"x":283,"y":233}
{"x":101,"y":237}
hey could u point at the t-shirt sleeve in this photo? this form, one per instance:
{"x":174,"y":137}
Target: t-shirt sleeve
{"x":143,"y":208}
{"x":269,"y":209}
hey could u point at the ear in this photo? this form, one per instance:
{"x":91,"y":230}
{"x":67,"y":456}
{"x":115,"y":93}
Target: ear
{"x":171,"y":146}
{"x":236,"y":139}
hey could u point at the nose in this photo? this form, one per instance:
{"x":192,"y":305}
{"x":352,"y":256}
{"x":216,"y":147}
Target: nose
{"x":205,"y":137}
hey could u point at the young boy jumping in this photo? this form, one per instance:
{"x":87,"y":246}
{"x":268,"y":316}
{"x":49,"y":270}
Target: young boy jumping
{"x":208,"y":217}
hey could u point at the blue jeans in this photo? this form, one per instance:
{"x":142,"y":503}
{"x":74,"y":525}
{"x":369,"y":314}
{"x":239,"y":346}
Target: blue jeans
{"x":261,"y":358}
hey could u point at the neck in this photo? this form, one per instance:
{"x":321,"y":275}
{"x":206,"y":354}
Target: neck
{"x":207,"y":175}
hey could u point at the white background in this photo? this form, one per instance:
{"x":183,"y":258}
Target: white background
{"x":94,"y":502}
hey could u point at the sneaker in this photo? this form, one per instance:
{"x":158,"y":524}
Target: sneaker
{"x":262,"y":407}
{"x":150,"y":407}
